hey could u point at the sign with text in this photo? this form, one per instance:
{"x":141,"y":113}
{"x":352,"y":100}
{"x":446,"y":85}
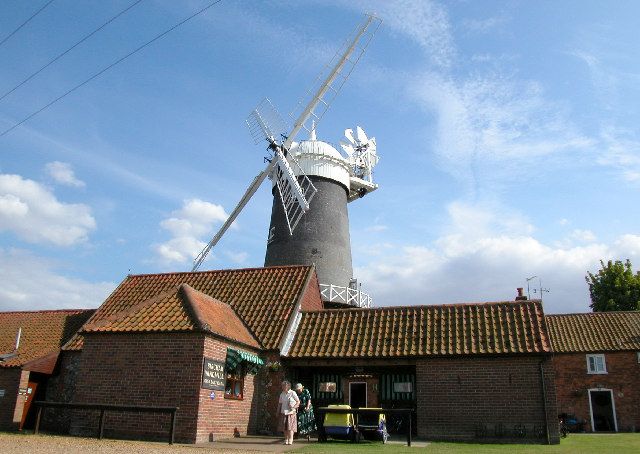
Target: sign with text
{"x":213,"y":374}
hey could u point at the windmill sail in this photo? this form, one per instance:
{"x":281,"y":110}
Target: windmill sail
{"x":295,"y":196}
{"x":265,"y":124}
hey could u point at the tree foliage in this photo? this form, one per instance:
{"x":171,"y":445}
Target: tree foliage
{"x":614,"y":288}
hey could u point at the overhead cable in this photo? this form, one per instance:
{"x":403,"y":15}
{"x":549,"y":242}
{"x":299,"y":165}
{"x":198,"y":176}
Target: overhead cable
{"x":102,"y":71}
{"x":69,"y":50}
{"x":25,"y":23}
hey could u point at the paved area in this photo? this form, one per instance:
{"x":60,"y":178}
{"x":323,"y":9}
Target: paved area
{"x":255,"y":444}
{"x":59,"y":444}
{"x":54,"y":444}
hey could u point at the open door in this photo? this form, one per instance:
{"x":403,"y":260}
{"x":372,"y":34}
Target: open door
{"x":603,"y":410}
{"x":358,"y":394}
{"x":30,"y":395}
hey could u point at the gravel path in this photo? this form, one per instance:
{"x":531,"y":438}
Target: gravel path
{"x":52,"y":444}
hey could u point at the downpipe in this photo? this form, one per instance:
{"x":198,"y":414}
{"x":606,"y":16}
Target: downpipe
{"x":544,"y":401}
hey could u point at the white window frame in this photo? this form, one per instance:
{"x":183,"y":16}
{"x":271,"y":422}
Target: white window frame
{"x":604,"y":364}
{"x":613,"y":407}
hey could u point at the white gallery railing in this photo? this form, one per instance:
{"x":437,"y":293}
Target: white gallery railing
{"x":345,"y":295}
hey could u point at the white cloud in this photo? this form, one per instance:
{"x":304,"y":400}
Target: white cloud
{"x":62,"y":173}
{"x":484,"y":120}
{"x":28,"y":282}
{"x":33,"y":213}
{"x":585,"y":236}
{"x":424,"y":22}
{"x":188,"y":226}
{"x":487,"y":264}
{"x":621,"y":152}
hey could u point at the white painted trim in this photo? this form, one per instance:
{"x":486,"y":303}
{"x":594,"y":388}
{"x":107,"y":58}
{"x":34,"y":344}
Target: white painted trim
{"x":291,"y":332}
{"x":613,"y":407}
{"x":604,"y":363}
{"x":366,"y":391}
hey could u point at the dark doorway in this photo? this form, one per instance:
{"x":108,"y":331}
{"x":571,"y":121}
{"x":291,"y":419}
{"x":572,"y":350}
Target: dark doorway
{"x":602,"y":411}
{"x":358,"y":395}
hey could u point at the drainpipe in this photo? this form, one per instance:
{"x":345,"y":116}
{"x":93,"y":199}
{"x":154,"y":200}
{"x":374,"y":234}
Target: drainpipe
{"x":544,"y":402}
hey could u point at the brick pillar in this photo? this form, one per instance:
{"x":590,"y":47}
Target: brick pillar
{"x":269,"y":380}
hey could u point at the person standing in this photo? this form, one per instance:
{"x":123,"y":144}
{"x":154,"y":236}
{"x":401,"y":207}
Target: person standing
{"x":306,"y":418}
{"x":287,"y":407}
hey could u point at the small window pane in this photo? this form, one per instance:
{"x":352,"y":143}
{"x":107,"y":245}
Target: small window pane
{"x":596,"y":364}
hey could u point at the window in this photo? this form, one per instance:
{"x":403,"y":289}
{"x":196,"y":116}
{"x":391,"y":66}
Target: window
{"x":638,"y":357}
{"x":328,"y":387}
{"x":234,"y":384}
{"x":596,"y":364}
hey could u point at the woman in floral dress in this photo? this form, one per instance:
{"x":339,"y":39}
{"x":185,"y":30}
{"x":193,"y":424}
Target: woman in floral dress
{"x":306,"y":419}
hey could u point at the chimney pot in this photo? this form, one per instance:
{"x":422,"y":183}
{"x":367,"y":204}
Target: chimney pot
{"x":520,"y":296}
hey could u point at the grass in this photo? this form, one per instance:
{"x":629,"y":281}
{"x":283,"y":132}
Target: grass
{"x":574,"y":444}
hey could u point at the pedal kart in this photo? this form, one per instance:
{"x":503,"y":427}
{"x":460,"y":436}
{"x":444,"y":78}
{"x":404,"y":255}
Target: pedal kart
{"x":373,"y":426}
{"x":339,"y":426}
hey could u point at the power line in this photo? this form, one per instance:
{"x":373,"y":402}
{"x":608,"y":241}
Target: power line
{"x":102,"y":71}
{"x":25,"y":22}
{"x":69,"y":49}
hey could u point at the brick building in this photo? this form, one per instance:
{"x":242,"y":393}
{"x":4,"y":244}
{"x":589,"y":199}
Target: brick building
{"x":597,"y":367}
{"x":152,"y":340}
{"x":218,"y":343}
{"x":471,"y":371}
{"x":30,"y":345}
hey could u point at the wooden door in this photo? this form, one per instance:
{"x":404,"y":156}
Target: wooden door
{"x":29,"y":397}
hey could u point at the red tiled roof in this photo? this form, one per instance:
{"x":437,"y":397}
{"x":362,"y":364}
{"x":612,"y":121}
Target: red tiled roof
{"x":43,"y":332}
{"x":180,"y":309}
{"x":594,"y":331}
{"x":461,"y":329}
{"x":44,"y":365}
{"x":262,"y":297}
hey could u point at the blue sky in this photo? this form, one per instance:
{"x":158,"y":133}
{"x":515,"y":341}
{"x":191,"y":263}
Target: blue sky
{"x":508,"y":135}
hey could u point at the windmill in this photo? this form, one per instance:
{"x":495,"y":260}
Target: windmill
{"x":291,"y":164}
{"x":294,"y":195}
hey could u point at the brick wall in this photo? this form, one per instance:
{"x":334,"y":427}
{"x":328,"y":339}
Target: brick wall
{"x":269,"y":389}
{"x":623,"y":378}
{"x":10,"y":382}
{"x":482,"y":399}
{"x":162,"y":369}
{"x":372,"y":383}
{"x":61,"y":388}
{"x":218,"y":417}
{"x":311,"y":300}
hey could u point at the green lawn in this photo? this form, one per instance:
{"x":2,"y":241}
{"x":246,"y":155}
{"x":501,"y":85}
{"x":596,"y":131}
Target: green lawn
{"x":574,"y":444}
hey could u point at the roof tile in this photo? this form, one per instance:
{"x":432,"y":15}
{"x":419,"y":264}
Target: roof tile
{"x":263,"y":298}
{"x":43,"y":332}
{"x":483,"y":328}
{"x":594,"y":331}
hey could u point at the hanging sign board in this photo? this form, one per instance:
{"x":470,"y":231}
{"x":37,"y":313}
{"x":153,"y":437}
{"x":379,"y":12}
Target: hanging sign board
{"x":213,"y":374}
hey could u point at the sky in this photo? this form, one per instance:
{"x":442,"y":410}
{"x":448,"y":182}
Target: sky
{"x":508,"y":134}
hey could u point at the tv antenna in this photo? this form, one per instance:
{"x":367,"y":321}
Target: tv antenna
{"x":540,"y":290}
{"x":264,"y":123}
